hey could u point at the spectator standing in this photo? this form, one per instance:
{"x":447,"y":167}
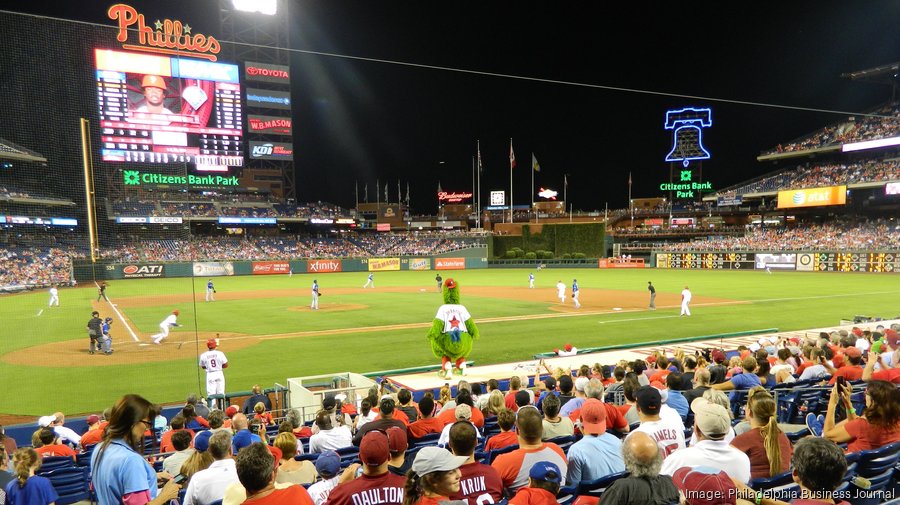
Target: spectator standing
{"x":255,"y":398}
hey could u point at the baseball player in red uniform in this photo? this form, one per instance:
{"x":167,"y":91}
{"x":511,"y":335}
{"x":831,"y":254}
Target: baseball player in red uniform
{"x":214,"y":362}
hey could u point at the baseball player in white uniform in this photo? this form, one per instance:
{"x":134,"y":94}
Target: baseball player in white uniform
{"x":575,"y":293}
{"x":530,"y":281}
{"x":561,"y":291}
{"x":686,"y":301}
{"x":214,"y":362}
{"x":315,"y":295}
{"x":54,"y":296}
{"x":210,"y":291}
{"x":164,"y":326}
{"x":370,"y":281}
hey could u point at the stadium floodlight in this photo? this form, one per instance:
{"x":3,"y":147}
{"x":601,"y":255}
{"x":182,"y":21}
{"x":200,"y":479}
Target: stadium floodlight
{"x":268,"y":7}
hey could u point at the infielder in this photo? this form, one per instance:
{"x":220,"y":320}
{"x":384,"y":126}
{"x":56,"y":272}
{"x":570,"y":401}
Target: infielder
{"x":575,"y":293}
{"x":210,"y":291}
{"x":370,"y":281}
{"x":214,"y":362}
{"x":561,"y":291}
{"x":54,"y":296}
{"x":170,"y":322}
{"x":530,"y":281}
{"x":652,"y":291}
{"x":315,"y":295}
{"x":685,"y":301}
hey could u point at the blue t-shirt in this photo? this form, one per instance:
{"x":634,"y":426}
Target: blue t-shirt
{"x":745,"y":380}
{"x":36,"y":491}
{"x":678,"y":402}
{"x":209,"y":285}
{"x":571,"y":406}
{"x":242,"y":439}
{"x":594,"y":457}
{"x":120,"y":471}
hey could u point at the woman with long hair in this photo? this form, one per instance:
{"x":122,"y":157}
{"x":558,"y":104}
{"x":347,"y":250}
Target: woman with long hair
{"x":120,"y":473}
{"x":496,"y":403}
{"x":28,"y":488}
{"x":434,"y":476}
{"x":765,"y":444}
{"x":290,"y":470}
{"x":879,"y":424}
{"x":191,"y":420}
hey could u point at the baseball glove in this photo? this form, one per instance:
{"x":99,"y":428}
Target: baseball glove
{"x":214,"y":291}
{"x":320,"y":294}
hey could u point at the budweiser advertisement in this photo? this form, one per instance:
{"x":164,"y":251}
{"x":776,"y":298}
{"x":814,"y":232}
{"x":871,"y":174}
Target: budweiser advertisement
{"x":813,"y":197}
{"x":267,"y":72}
{"x":270,"y":125}
{"x":449,"y":263}
{"x":324,"y":266}
{"x":271,"y":267}
{"x":453,"y":197}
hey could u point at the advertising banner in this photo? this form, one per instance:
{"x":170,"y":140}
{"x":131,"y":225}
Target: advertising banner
{"x":449,"y":263}
{"x":806,"y":262}
{"x":270,"y":125}
{"x":324,"y":266}
{"x":453,"y":197}
{"x":143,"y":271}
{"x":271,"y":267}
{"x":267,"y":72}
{"x":892,"y":188}
{"x":268,"y":99}
{"x":729,"y":199}
{"x":213,"y":268}
{"x":384,"y":264}
{"x":814,"y":197}
{"x":498,"y":198}
{"x":420,"y":264}
{"x":271,"y":150}
{"x":383,"y":227}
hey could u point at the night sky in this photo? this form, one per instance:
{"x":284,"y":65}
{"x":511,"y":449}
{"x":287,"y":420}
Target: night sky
{"x":363,"y":120}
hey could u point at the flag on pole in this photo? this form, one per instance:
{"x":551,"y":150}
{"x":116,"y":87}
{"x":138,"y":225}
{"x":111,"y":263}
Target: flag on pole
{"x":565,"y":181}
{"x":407,"y":192}
{"x":512,"y":156}
{"x":479,"y":157}
{"x":366,"y":193}
{"x":534,"y":163}
{"x":439,"y":187}
{"x":385,"y":192}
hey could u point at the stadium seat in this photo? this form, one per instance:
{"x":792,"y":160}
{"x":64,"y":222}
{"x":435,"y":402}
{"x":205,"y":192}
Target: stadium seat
{"x":567,"y":495}
{"x":71,"y":484}
{"x":349,"y":455}
{"x":426,"y":440}
{"x":307,"y":457}
{"x":563,"y":442}
{"x":596,"y":487}
{"x":876,"y":468}
{"x":492,"y":455}
{"x":762,"y":483}
{"x":52,"y":463}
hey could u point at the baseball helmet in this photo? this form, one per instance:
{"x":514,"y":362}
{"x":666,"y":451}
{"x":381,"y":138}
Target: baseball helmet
{"x":107,"y":320}
{"x":176,"y":312}
{"x":212,"y":343}
{"x":153,"y":81}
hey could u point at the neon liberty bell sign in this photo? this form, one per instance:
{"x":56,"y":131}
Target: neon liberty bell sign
{"x":687,"y":141}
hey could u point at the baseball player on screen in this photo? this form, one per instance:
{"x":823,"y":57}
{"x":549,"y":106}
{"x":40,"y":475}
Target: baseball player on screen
{"x":169,"y":322}
{"x":214,"y":362}
{"x":210,"y":291}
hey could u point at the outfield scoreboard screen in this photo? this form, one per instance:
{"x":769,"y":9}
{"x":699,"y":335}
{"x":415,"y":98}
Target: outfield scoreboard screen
{"x":855,"y":262}
{"x":160,"y":109}
{"x":706,"y":260}
{"x":819,"y":261}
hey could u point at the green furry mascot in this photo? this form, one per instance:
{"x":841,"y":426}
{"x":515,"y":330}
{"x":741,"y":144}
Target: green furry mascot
{"x":452,"y":332}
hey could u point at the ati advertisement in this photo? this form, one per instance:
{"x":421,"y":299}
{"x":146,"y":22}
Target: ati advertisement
{"x":323,"y":266}
{"x":384,"y":264}
{"x":213,"y":268}
{"x":143,"y":271}
{"x":449,"y":263}
{"x":271,"y":267}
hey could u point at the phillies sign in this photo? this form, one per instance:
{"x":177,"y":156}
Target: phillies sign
{"x":445,"y":196}
{"x":165,"y":37}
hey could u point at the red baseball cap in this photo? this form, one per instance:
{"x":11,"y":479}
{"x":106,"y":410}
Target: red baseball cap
{"x":374,"y":449}
{"x":397,"y":441}
{"x":705,"y":486}
{"x":593,"y":417}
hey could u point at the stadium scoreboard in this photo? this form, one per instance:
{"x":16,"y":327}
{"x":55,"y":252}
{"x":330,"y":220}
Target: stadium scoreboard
{"x":856,"y":262}
{"x":827,"y":261}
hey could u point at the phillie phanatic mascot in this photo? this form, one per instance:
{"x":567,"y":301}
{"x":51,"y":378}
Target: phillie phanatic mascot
{"x":452,"y":332}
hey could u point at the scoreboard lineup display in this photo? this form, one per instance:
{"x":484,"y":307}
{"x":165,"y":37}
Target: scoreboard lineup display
{"x":157,"y":109}
{"x":876,"y":262}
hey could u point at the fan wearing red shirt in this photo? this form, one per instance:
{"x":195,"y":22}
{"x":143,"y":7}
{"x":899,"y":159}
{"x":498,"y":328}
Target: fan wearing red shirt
{"x":52,"y":447}
{"x":506,"y":420}
{"x":448,"y":416}
{"x":878,"y":426}
{"x":427,"y":423}
{"x":852,"y":369}
{"x":478,"y":483}
{"x":515,"y":383}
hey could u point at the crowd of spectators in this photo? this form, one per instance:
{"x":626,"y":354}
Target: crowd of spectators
{"x":190,"y":205}
{"x":662,"y":429}
{"x":813,"y":175}
{"x":850,"y":131}
{"x":9,"y":192}
{"x":32,"y":267}
{"x":879,"y":234}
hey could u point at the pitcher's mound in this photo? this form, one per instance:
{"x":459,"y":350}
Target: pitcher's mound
{"x":330,"y":307}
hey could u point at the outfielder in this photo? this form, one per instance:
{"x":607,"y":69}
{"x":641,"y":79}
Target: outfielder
{"x":169,"y":322}
{"x":561,"y":291}
{"x":315,"y":295}
{"x":210,"y":291}
{"x":54,"y":296}
{"x":370,"y":281}
{"x":685,"y":301}
{"x":530,"y":281}
{"x":575,"y":293}
{"x":214,"y":362}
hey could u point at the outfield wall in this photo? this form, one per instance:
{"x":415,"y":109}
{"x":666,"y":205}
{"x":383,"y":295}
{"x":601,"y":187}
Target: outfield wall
{"x":802,"y":261}
{"x":465,"y":259}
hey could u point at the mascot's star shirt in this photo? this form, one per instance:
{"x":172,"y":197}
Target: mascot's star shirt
{"x":453,"y":316}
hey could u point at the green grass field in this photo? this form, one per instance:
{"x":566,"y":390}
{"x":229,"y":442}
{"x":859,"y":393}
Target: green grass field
{"x":786,"y":300}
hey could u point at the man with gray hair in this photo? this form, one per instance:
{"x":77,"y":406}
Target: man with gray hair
{"x":644,"y":485}
{"x":701,"y":381}
{"x":207,"y":486}
{"x":614,"y":418}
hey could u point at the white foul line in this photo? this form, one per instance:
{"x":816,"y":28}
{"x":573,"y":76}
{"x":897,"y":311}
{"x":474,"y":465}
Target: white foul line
{"x":121,"y":317}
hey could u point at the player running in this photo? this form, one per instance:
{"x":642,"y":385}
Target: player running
{"x":54,"y":296}
{"x":561,"y":291}
{"x":214,"y":362}
{"x":575,"y":293}
{"x":370,"y":281}
{"x":169,"y":322}
{"x":210,"y":291}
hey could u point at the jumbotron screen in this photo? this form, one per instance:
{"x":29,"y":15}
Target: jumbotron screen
{"x":157,"y":109}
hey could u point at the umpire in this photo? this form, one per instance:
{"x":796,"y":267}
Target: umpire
{"x":95,"y":331}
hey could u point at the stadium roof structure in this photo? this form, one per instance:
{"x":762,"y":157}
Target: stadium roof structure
{"x":885,"y":74}
{"x":10,"y":151}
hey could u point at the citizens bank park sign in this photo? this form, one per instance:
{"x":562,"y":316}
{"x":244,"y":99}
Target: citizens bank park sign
{"x":163,"y":36}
